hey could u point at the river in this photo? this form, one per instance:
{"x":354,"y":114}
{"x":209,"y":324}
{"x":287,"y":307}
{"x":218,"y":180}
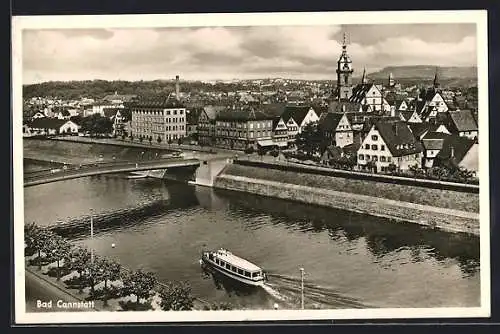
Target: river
{"x":350,"y":260}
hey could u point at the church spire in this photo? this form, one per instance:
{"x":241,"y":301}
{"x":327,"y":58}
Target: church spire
{"x":363,"y":78}
{"x":344,"y":73}
{"x":436,"y":79}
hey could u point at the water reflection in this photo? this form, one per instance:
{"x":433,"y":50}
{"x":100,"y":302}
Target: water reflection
{"x":382,"y":237}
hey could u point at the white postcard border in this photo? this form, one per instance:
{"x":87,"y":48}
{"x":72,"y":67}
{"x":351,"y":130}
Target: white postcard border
{"x":247,"y":19}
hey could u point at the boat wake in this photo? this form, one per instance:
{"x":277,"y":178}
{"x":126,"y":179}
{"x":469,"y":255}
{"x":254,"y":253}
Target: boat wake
{"x":287,"y":290}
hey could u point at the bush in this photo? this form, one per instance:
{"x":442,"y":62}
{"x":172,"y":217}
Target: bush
{"x":63,"y":271}
{"x":132,"y":306}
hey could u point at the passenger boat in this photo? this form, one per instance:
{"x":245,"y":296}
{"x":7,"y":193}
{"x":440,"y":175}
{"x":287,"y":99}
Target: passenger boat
{"x":234,"y":267}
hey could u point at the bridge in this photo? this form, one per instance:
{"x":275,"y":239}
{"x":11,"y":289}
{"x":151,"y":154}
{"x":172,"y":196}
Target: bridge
{"x":77,"y":171}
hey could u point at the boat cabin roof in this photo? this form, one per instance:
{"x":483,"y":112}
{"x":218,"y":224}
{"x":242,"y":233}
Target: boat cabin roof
{"x":237,"y":261}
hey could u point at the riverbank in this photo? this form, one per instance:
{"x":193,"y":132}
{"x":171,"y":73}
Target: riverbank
{"x":447,"y":210}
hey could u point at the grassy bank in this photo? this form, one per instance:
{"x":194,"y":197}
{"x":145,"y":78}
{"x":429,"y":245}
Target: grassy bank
{"x":405,"y":193}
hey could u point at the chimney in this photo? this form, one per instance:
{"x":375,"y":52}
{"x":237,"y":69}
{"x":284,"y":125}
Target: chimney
{"x":452,"y":152}
{"x":393,"y":111}
{"x":177,"y":92}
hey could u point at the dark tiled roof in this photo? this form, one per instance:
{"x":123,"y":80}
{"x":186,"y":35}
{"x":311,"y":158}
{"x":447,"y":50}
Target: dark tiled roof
{"x":372,"y":119}
{"x":242,"y":115}
{"x":406,"y":114}
{"x":435,"y":135}
{"x":463,"y":120}
{"x":274,"y":109}
{"x":160,"y":102}
{"x":329,"y":121}
{"x":212,"y":111}
{"x":298,"y":113}
{"x":434,"y":140}
{"x":419,"y":129}
{"x":110,"y":112}
{"x":47,"y":123}
{"x":458,"y":145}
{"x":398,"y":138}
{"x":359,"y":92}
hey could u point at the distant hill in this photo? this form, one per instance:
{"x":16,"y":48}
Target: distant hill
{"x":425,"y":72}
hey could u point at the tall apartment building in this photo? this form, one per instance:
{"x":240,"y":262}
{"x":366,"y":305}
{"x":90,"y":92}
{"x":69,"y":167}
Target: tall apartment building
{"x":158,"y":118}
{"x":238,"y":129}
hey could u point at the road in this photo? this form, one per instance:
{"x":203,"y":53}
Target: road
{"x":106,"y":168}
{"x":40,"y":289}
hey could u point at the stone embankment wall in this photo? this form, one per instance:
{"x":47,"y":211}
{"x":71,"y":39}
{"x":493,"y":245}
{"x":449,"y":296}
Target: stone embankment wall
{"x":452,"y":211}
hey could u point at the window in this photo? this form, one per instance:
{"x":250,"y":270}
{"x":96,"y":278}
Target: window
{"x":382,"y":159}
{"x":374,"y":147}
{"x":175,"y":112}
{"x":251,"y":125}
{"x":246,"y":273}
{"x":361,"y":157}
{"x":367,"y":146}
{"x":240,"y":271}
{"x":382,"y":147}
{"x":251,"y":134}
{"x":389,"y":159}
{"x":374,"y":137}
{"x":180,"y":112}
{"x":375,"y":158}
{"x":367,"y":157}
{"x":168,"y":112}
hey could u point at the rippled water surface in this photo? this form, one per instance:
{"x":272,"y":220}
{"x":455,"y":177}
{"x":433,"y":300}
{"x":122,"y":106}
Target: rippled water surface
{"x":350,"y":260}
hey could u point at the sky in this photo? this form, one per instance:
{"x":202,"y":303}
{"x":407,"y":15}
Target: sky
{"x":225,"y":53}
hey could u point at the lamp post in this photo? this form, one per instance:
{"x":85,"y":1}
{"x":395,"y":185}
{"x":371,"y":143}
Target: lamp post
{"x":302,"y":288}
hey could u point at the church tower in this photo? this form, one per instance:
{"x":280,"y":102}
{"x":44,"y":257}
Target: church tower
{"x":436,"y":80}
{"x":344,"y":73}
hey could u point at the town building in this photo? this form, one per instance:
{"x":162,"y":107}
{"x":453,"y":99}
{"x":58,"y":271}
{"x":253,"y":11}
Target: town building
{"x":50,"y":127}
{"x":158,"y":118}
{"x":206,"y":124}
{"x":389,"y":143}
{"x":239,"y":129}
{"x":370,"y":94}
{"x":459,"y":152}
{"x":280,"y":132}
{"x":462,"y":123}
{"x":432,"y":143}
{"x":296,"y":118}
{"x":192,"y":116}
{"x":336,"y":129}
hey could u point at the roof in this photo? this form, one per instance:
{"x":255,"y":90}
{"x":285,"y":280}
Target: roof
{"x":398,"y":138}
{"x":359,"y":92}
{"x":406,"y":115}
{"x":433,"y":143}
{"x":125,"y":97}
{"x":237,"y":261}
{"x":431,"y":134}
{"x":298,"y":113}
{"x":346,"y":106}
{"x":459,"y":145}
{"x":329,"y":121}
{"x":47,"y":123}
{"x":159,"y":102}
{"x":212,"y":111}
{"x":274,"y":109}
{"x":419,"y":129}
{"x":110,"y":112}
{"x":463,"y":120}
{"x":242,"y":115}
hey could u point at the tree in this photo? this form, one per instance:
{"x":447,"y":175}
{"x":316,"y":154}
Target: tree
{"x":261,"y":152}
{"x":139,"y":283}
{"x":249,"y":150}
{"x":158,"y":140}
{"x":176,"y":297}
{"x":79,"y":260}
{"x":57,"y":248}
{"x":310,"y":139}
{"x":222,"y":306}
{"x":39,"y":243}
{"x":111,"y":271}
{"x":274,"y":153}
